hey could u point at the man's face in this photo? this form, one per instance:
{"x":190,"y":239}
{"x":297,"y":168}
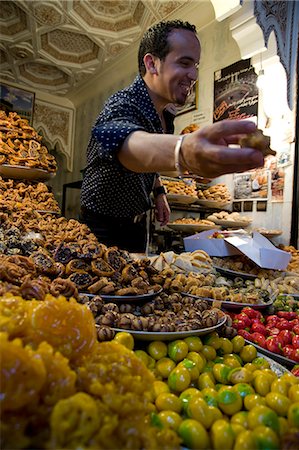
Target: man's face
{"x":178,"y":71}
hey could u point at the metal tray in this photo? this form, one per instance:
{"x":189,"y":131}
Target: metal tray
{"x":213,"y":204}
{"x":171,"y":335}
{"x":233,"y":273}
{"x":231,"y":305}
{"x":23,"y":172}
{"x":122,"y":298}
{"x":286,"y":362}
{"x":181,"y":198}
{"x":277,"y":368}
{"x":190,"y":227}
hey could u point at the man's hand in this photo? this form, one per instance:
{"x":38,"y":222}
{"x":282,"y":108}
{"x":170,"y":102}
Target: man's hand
{"x":162,"y":209}
{"x":206,"y":151}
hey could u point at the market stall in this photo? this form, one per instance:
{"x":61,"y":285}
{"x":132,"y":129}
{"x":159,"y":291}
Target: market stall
{"x":103,"y":349}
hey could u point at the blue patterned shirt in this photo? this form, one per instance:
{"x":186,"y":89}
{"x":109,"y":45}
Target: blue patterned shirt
{"x":109,"y":188}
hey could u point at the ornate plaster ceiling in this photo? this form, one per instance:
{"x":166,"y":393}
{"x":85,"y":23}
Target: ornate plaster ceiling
{"x":57,"y":45}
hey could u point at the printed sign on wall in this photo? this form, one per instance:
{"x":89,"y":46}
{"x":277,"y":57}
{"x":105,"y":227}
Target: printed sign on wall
{"x":235,"y":92}
{"x":251,"y":185}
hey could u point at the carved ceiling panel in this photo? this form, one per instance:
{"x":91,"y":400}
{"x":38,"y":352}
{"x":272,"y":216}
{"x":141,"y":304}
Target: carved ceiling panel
{"x":58,"y":45}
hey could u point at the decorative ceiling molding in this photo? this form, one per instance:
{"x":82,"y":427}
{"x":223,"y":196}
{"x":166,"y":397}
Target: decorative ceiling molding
{"x":57,"y":46}
{"x":252,"y":26}
{"x":56,"y":123}
{"x":283,"y":18}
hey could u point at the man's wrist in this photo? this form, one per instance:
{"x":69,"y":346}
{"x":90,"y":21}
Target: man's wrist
{"x":159,"y":190}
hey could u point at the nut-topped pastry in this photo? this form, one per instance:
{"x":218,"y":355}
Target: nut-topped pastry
{"x":259,"y":141}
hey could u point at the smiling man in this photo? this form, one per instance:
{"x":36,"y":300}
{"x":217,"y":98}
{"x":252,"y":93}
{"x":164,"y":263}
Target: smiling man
{"x":132,"y":141}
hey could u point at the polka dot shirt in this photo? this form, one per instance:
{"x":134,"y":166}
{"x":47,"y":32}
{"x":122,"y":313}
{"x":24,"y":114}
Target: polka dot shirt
{"x":109,"y":188}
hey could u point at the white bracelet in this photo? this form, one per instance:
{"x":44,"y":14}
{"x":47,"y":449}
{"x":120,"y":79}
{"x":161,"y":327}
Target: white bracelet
{"x":177,"y":150}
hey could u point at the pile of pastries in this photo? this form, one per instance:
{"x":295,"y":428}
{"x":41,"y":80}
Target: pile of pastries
{"x":197,"y":262}
{"x":293,"y":265}
{"x":218,"y":192}
{"x":21,"y":145}
{"x":178,"y":187}
{"x":230,"y":217}
{"x":165,"y":313}
{"x":15,"y":194}
{"x":190,"y":128}
{"x":193,"y":221}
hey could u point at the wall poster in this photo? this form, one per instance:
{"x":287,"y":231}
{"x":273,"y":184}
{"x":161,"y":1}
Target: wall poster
{"x":191,"y":102}
{"x":252,"y":185}
{"x":277,"y":184}
{"x":17,"y":100}
{"x":235,"y":92}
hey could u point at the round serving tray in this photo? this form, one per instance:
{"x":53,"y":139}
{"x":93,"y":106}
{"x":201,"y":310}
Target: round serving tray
{"x":124,"y":298}
{"x":212,"y":204}
{"x":23,"y":172}
{"x":233,"y":273}
{"x":276,"y":367}
{"x":44,"y":211}
{"x":269,"y":234}
{"x":171,"y":335}
{"x":231,"y":305}
{"x":182,"y":199}
{"x":190,"y":228}
{"x":231,"y":223}
{"x":279,"y":358}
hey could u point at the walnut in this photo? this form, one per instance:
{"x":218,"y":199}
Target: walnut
{"x":195,"y":315}
{"x":109,"y":307}
{"x":151,"y":323}
{"x":209,"y":318}
{"x":125,"y":321}
{"x":228,"y":332}
{"x":201,"y":305}
{"x":161,"y":327}
{"x":183,"y":326}
{"x":229,"y":321}
{"x":195,"y":324}
{"x":125,"y":308}
{"x":159,"y":304}
{"x":105,"y":333}
{"x":169,"y":315}
{"x":83,"y":298}
{"x":147,"y":308}
{"x":110,"y":318}
{"x":93,"y":308}
{"x":140,"y":323}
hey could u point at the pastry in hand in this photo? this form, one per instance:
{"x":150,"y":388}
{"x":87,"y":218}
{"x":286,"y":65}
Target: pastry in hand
{"x":190,"y":128}
{"x":259,"y":141}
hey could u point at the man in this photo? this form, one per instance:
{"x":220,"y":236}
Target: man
{"x":132,"y":141}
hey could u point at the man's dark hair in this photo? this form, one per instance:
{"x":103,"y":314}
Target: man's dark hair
{"x":155,"y":40}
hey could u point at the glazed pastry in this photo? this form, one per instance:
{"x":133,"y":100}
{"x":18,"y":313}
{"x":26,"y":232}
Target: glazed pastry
{"x":259,"y":141}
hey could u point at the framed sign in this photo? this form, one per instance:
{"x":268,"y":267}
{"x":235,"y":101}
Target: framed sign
{"x":17,"y":100}
{"x":235,"y":92}
{"x":251,"y":185}
{"x":191,"y":102}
